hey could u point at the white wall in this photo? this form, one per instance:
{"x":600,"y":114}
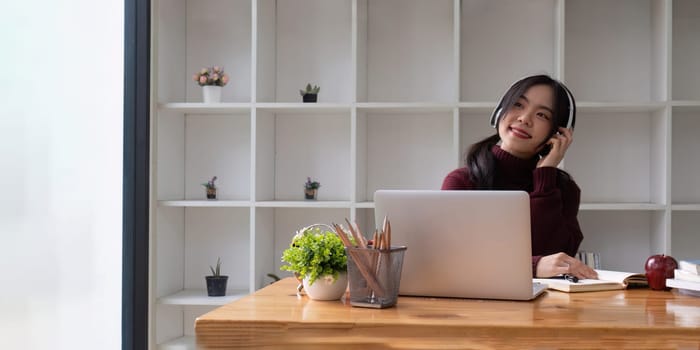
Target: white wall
{"x":61,"y":174}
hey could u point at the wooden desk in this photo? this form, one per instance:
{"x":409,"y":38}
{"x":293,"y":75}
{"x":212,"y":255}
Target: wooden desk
{"x":274,"y":317}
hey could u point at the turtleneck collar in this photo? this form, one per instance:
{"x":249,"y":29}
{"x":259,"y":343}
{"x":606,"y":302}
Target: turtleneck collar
{"x":512,"y":163}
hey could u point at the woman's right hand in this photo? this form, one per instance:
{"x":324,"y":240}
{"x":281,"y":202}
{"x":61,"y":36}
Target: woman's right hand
{"x":559,"y":144}
{"x":561,"y":263}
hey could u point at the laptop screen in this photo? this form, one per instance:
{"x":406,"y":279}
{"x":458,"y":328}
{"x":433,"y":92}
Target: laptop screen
{"x":466,"y":244}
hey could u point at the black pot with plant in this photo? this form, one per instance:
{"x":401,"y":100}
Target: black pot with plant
{"x":216,"y":283}
{"x":311,"y":188}
{"x":310,"y":94}
{"x":211,"y":188}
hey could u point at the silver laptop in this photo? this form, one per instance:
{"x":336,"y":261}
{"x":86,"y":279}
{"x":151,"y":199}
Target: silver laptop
{"x":464,"y":244}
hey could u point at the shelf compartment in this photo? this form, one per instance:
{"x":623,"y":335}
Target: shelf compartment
{"x":686,"y":50}
{"x":408,"y":151}
{"x":219,"y":33}
{"x":609,"y":233}
{"x":405,"y":51}
{"x":199,"y":297}
{"x":291,"y":148}
{"x":193,"y":34}
{"x":492,"y":33}
{"x":684,"y":159}
{"x":620,"y":58}
{"x":212,"y":233}
{"x":305,"y":41}
{"x":684,"y":235}
{"x":619,"y":157}
{"x":188,"y":154}
{"x":207,"y":137}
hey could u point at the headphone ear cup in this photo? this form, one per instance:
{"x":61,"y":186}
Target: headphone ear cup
{"x":494,"y":117}
{"x":498,"y":110}
{"x":571,"y":122}
{"x":571,"y":118}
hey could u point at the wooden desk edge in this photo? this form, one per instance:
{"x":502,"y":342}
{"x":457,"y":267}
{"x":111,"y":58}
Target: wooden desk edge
{"x":237,"y":326}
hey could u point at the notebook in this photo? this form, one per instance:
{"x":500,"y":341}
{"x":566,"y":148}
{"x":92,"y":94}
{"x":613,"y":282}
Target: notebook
{"x":607,"y":280}
{"x":463,"y":244}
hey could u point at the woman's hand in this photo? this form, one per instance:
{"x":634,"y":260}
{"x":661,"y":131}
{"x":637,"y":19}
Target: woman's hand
{"x":560,"y":263}
{"x":560,"y":142}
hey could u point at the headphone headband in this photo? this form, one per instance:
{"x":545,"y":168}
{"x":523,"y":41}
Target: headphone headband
{"x":572,"y":109}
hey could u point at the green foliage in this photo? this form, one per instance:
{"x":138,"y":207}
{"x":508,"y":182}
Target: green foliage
{"x":211,"y":183}
{"x":216,"y":272}
{"x":310,"y":90}
{"x":315,"y":253}
{"x":311,"y":185}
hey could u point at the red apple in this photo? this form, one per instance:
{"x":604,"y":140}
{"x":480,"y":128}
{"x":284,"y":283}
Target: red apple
{"x":658,"y":268}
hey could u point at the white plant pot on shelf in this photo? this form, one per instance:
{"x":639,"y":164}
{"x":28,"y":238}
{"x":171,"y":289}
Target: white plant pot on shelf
{"x":211,"y":93}
{"x":324,"y":288}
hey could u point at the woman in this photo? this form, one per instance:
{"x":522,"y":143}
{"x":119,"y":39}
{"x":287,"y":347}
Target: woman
{"x":534,"y":120}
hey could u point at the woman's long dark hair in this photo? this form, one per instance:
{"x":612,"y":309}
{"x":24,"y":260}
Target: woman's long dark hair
{"x":480,"y":161}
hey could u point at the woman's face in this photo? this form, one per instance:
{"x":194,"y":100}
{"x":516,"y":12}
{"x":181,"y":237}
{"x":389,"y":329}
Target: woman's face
{"x":527,"y":124}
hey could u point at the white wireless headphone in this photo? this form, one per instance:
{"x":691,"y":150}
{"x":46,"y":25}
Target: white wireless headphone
{"x":570,"y":122}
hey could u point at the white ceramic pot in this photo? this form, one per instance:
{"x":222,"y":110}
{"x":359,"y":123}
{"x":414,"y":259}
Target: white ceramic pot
{"x":211,"y":93}
{"x":324,"y":288}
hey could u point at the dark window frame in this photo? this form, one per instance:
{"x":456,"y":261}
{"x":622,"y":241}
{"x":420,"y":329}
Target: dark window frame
{"x":135,"y":200}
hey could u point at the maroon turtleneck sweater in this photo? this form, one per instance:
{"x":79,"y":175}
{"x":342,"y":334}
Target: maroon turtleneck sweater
{"x":553,"y":206}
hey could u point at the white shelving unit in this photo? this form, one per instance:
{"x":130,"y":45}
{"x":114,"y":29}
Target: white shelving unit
{"x":406,"y":87}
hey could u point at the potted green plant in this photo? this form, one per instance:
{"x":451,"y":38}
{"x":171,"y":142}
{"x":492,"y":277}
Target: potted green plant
{"x":211,"y":188}
{"x":317,"y":257}
{"x":216,"y":283}
{"x":311,"y":188}
{"x":211,"y":79}
{"x":310,"y":94}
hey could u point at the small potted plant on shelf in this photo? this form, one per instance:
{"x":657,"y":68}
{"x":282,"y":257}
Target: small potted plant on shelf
{"x":216,"y":283}
{"x":318,"y":260}
{"x":311,"y":188}
{"x":211,"y":80}
{"x":310,"y":94}
{"x":211,"y":188}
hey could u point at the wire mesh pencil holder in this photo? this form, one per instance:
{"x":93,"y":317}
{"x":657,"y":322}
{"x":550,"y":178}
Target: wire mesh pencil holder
{"x":374,"y":276}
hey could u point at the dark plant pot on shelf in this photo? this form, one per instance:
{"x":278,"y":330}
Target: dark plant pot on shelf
{"x":216,"y":285}
{"x":310,"y":193}
{"x":310,"y":97}
{"x":211,"y":193}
